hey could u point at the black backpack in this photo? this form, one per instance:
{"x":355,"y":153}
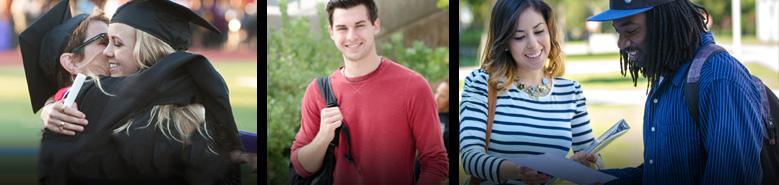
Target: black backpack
{"x":769,"y":155}
{"x":325,"y":174}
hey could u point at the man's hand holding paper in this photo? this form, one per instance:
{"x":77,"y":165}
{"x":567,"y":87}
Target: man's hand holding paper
{"x":585,"y":159}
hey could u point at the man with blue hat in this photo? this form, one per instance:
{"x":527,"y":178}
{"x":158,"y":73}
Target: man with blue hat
{"x":721,"y":144}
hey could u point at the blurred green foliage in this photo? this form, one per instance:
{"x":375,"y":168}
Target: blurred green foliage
{"x":443,"y":4}
{"x":295,"y":56}
{"x":433,"y":64}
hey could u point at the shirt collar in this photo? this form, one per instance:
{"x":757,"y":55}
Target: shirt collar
{"x":681,"y":72}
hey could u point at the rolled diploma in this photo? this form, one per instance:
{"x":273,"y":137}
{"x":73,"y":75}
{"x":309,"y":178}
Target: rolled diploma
{"x":74,"y":90}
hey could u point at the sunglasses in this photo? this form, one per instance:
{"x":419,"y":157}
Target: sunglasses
{"x":101,"y":36}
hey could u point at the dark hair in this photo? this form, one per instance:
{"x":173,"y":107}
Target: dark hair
{"x":444,"y":80}
{"x":373,"y":11}
{"x":499,"y":63}
{"x":674,"y":33}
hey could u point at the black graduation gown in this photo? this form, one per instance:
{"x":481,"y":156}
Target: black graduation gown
{"x":97,"y":153}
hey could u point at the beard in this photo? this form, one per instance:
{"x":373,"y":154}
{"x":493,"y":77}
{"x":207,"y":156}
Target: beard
{"x":629,"y":66}
{"x":648,"y":66}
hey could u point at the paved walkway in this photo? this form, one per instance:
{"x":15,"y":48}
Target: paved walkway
{"x":594,"y":96}
{"x":590,"y":67}
{"x":766,"y":55}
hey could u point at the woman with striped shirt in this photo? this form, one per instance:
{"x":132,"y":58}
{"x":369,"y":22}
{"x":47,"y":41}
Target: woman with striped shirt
{"x":537,"y":111}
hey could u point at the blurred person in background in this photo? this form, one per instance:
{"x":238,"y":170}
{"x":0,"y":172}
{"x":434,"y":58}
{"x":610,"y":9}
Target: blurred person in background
{"x":442,"y":101}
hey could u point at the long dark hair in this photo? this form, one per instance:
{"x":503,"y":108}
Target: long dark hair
{"x":503,"y":23}
{"x":674,"y":34}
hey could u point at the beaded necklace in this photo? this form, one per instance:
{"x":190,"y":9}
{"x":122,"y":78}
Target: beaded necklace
{"x":536,"y":91}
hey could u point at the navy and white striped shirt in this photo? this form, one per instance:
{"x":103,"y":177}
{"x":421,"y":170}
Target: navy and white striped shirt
{"x":522,"y":127}
{"x":723,"y":149}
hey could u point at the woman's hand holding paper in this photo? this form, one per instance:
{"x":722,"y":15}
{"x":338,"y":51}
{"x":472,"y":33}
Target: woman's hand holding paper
{"x":62,"y":119}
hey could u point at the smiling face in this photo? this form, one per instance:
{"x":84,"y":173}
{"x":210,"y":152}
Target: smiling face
{"x":120,"y":50}
{"x":632,"y":34}
{"x":530,"y":44}
{"x":99,"y":64}
{"x":353,"y":32}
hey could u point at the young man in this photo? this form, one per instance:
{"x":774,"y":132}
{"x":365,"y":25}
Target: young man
{"x":659,"y":38}
{"x":389,"y":109}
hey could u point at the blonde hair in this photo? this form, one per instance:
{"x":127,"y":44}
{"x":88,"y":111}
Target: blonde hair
{"x":175,"y":122}
{"x":497,"y":62}
{"x":149,"y":50}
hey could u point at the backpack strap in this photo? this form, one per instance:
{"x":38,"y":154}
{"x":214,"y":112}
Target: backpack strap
{"x":768,"y":102}
{"x":765,"y":108}
{"x":771,"y":128}
{"x":492,"y":99}
{"x":326,"y":89}
{"x":693,"y":76}
{"x":348,"y":156}
{"x":330,"y":101}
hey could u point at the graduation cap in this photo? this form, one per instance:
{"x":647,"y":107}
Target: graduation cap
{"x":42,"y":43}
{"x":164,"y":19}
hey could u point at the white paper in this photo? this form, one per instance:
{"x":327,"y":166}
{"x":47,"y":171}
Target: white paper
{"x":74,"y":89}
{"x":563,"y":168}
{"x":618,"y":129}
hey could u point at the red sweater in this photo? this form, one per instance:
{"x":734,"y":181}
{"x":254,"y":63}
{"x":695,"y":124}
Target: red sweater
{"x":61,"y":94}
{"x":390,"y":116}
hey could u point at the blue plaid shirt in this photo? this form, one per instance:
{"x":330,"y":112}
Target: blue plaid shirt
{"x":723,"y":149}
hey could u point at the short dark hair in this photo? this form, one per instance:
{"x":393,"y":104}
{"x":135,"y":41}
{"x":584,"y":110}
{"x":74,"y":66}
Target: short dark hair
{"x":373,"y":11}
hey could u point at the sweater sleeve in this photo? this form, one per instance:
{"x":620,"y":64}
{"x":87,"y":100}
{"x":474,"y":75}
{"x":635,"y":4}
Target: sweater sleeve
{"x":61,"y":94}
{"x":581,"y":129}
{"x":310,"y":109}
{"x":473,"y":124}
{"x":426,"y":128}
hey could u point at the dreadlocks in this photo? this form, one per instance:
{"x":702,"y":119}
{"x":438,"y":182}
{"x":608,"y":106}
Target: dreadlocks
{"x":674,"y":34}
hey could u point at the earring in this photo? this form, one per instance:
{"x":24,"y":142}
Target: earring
{"x":507,"y":49}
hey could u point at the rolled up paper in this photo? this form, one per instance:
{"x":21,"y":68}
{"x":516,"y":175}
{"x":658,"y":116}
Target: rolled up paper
{"x":74,"y":89}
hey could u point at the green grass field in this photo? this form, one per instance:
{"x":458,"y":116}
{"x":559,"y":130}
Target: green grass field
{"x":20,"y":128}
